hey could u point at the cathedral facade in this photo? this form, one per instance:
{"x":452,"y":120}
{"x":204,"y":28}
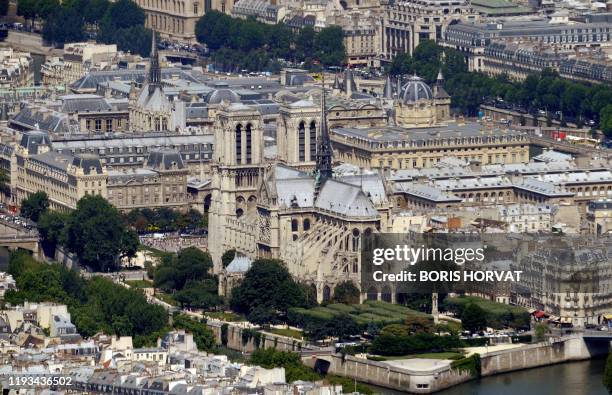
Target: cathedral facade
{"x":293,"y":209}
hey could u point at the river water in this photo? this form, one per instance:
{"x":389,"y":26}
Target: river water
{"x":575,"y":378}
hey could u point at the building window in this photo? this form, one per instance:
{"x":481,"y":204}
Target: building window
{"x":109,"y":125}
{"x":238,"y":144}
{"x":248,"y":143}
{"x":301,"y":142}
{"x":195,"y":8}
{"x":98,"y":125}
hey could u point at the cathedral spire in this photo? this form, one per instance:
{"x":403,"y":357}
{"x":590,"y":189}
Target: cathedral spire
{"x":154,"y":70}
{"x":324,"y":150}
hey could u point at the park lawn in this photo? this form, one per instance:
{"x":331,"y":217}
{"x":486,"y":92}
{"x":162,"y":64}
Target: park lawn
{"x":166,"y":298}
{"x":286,"y":332}
{"x":139,"y":283}
{"x":427,"y":355}
{"x":227,"y":316}
{"x":154,"y":251}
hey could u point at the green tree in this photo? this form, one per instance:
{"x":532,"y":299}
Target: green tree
{"x":123,"y":14}
{"x":95,"y":232}
{"x":44,"y":8}
{"x":228,"y":257}
{"x":607,"y":376}
{"x":51,"y":229}
{"x":401,"y":64}
{"x":540,"y":331}
{"x":34,"y":205}
{"x":329,"y":46}
{"x":63,"y":25}
{"x":346,"y":292}
{"x":305,"y":43}
{"x":473,"y":318}
{"x":269,"y":285}
{"x":27,"y":9}
{"x":5,"y":181}
{"x":605,"y":117}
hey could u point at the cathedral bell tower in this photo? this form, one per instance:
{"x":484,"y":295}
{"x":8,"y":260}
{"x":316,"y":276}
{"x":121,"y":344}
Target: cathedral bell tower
{"x":298,"y":127}
{"x":236,"y":171}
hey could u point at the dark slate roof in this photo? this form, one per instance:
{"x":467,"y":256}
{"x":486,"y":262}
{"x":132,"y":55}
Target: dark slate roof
{"x":196,"y":110}
{"x":88,"y":162}
{"x":92,"y":79}
{"x":46,"y":120}
{"x":84,"y":103}
{"x":33,"y":139}
{"x":165,"y":159}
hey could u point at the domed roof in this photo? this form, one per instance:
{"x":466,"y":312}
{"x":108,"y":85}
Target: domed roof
{"x":414,"y":90}
{"x":219,"y":95}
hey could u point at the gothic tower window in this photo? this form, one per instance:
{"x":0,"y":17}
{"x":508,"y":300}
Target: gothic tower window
{"x":294,"y":225}
{"x":238,"y":144}
{"x":313,"y":140}
{"x":248,"y":143}
{"x":306,"y":224}
{"x":301,"y":142}
{"x":355,"y":239}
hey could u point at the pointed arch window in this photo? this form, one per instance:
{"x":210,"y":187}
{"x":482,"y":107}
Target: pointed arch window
{"x":248,"y":143}
{"x":313,"y":140}
{"x":302,"y":142}
{"x":239,"y":144}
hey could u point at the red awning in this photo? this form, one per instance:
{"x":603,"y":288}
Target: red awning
{"x":539,"y":314}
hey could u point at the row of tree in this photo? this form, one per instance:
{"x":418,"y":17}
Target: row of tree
{"x":95,"y":305}
{"x":248,"y":44}
{"x":96,"y":232}
{"x":120,"y":22}
{"x":188,"y":276}
{"x":577,"y":101}
{"x":165,"y":220}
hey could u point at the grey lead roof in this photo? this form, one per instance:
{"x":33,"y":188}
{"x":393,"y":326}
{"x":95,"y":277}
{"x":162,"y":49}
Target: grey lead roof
{"x":165,"y":159}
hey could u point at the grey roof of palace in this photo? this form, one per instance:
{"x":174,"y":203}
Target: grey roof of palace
{"x":84,"y":103}
{"x":88,"y":162}
{"x":91,"y":80}
{"x":170,"y":141}
{"x":33,"y":139}
{"x":426,"y":192}
{"x":54,"y":160}
{"x":165,"y":159}
{"x":388,"y":134}
{"x":51,"y":121}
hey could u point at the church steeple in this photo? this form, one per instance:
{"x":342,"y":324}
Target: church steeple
{"x":324,"y":149}
{"x":154,"y":70}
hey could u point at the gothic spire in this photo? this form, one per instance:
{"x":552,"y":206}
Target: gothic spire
{"x":154,"y":70}
{"x":324,"y":150}
{"x":388,"y":89}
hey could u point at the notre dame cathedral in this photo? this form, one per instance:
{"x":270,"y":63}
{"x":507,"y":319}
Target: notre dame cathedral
{"x":294,"y":208}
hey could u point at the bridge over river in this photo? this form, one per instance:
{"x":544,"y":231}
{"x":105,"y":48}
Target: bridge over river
{"x":14,"y":236}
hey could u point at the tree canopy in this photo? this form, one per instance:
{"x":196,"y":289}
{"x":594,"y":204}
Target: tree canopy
{"x":95,"y":304}
{"x":248,"y":44}
{"x":346,"y":292}
{"x":546,"y":90}
{"x":34,"y":205}
{"x":98,"y":235}
{"x":267,"y":291}
{"x":187,"y":275}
